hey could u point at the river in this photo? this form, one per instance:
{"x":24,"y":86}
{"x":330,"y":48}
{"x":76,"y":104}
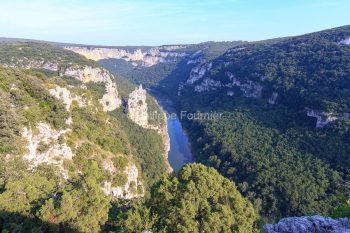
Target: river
{"x":180,"y":150}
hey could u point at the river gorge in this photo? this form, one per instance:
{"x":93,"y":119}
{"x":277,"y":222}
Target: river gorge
{"x":180,"y":150}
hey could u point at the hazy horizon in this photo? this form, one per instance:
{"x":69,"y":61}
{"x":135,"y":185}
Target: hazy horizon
{"x":152,"y":23}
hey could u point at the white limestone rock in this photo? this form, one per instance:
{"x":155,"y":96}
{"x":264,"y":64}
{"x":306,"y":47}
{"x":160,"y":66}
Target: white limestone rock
{"x":309,"y":224}
{"x":197,"y":57}
{"x":198,"y":72}
{"x":65,"y":95}
{"x":172,"y":47}
{"x":137,"y":107}
{"x":105,"y":53}
{"x":50,"y":66}
{"x":148,"y":58}
{"x":207,"y":85}
{"x":325,"y":118}
{"x":251,"y":89}
{"x":126,"y":191}
{"x":345,"y":41}
{"x":55,"y":153}
{"x":110,"y":100}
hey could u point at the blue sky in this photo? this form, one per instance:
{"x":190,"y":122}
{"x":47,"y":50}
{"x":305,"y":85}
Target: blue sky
{"x":156,"y":22}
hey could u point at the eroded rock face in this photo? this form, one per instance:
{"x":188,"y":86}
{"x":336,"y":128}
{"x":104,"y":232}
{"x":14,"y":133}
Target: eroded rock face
{"x":198,"y":72}
{"x":345,"y":41}
{"x":44,"y":146}
{"x":65,"y":95}
{"x":324,"y":118}
{"x":26,"y":63}
{"x":309,"y":224}
{"x":67,"y":98}
{"x":137,"y":107}
{"x":197,"y":57}
{"x":110,"y":100}
{"x":207,"y":84}
{"x":248,"y":87}
{"x":132,"y":187}
{"x":148,"y":57}
{"x":104,"y":53}
{"x":138,"y":113}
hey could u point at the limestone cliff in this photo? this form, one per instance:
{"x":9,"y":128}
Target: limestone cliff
{"x":110,"y":100}
{"x":148,"y":57}
{"x":137,"y":107}
{"x":44,"y":146}
{"x":133,"y":187}
{"x":138,"y":113}
{"x":53,"y":96}
{"x":345,"y":41}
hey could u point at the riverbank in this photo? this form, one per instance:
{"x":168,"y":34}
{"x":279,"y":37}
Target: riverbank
{"x":180,"y":151}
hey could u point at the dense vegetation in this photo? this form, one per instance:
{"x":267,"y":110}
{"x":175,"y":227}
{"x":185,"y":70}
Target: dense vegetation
{"x":197,"y":199}
{"x":273,"y":152}
{"x":26,"y":54}
{"x":306,"y":71}
{"x":68,"y":196}
{"x":280,"y":171}
{"x":169,"y":74}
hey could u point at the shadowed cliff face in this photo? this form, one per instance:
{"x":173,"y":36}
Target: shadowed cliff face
{"x":14,"y":222}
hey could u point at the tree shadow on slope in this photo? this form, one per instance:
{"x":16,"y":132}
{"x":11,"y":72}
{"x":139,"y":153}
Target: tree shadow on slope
{"x":14,"y":222}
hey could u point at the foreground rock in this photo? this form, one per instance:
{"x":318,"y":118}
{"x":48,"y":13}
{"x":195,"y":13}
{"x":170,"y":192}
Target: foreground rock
{"x":309,"y":224}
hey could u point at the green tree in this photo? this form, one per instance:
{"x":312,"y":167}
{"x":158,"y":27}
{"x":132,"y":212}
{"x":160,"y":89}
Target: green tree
{"x":199,"y":199}
{"x":342,"y":210}
{"x":83,"y":206}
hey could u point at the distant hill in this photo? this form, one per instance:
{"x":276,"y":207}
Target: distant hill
{"x":284,"y":137}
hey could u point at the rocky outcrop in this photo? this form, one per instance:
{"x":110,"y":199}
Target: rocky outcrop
{"x":137,"y":107}
{"x":198,"y":72}
{"x":163,"y":132}
{"x":44,"y":146}
{"x":132,"y":187}
{"x":345,"y":41}
{"x":67,"y":98}
{"x":248,"y":87}
{"x":110,"y":100}
{"x":172,"y":47}
{"x":309,"y":224}
{"x":105,"y":53}
{"x":197,"y":57}
{"x":207,"y":84}
{"x":324,"y":118}
{"x":147,"y":57}
{"x":26,"y":63}
{"x":138,"y":113}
